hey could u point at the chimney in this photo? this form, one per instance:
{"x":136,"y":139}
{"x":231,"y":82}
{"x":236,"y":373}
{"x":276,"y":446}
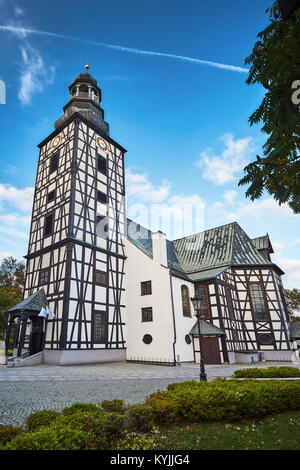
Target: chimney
{"x":159,"y":248}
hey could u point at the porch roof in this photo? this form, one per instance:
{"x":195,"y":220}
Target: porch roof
{"x":206,"y":329}
{"x":33,"y":303}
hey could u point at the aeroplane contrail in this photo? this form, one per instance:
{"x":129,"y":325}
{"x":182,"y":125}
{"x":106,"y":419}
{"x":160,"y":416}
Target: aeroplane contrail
{"x":25,"y":31}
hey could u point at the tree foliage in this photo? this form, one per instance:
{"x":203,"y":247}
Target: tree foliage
{"x":292,"y":298}
{"x":12,"y":277}
{"x":275,"y":64}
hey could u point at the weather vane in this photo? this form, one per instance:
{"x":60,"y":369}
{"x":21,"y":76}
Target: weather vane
{"x":87,"y":66}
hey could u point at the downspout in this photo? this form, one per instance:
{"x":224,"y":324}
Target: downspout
{"x":174,"y":325}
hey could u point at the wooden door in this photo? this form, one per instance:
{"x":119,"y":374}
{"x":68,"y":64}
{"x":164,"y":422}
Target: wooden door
{"x":211,"y":350}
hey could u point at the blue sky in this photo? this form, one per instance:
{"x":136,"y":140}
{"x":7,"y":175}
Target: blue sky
{"x":183,"y":122}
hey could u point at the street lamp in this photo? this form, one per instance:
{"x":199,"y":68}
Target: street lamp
{"x":197,"y":306}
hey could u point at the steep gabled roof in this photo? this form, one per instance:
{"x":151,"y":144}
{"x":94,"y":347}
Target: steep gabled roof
{"x":263,"y":243}
{"x":34,"y":302}
{"x":204,"y":255}
{"x":227,"y":245}
{"x":140,"y":237}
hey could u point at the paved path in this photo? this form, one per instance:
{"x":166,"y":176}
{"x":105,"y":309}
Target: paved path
{"x":27,"y":389}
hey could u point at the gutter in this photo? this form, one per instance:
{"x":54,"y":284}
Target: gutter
{"x":173,"y":314}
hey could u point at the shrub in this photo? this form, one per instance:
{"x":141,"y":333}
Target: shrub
{"x":140,"y":417}
{"x":41,"y":418}
{"x":8,"y":433}
{"x":113,"y":405}
{"x":87,"y":407}
{"x":268,"y":372}
{"x":223,"y":400}
{"x":10,"y":352}
{"x":103,"y":427}
{"x":52,"y":439}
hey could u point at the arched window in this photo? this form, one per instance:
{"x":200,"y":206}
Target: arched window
{"x":204,"y":310}
{"x":258,"y":302}
{"x":185,"y":297}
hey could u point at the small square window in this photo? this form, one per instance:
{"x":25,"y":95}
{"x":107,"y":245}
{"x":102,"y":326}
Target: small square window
{"x":48,"y":226}
{"x":146,"y":288}
{"x":44,"y":276}
{"x":100,"y":278}
{"x":102,"y":165}
{"x":54,"y":163}
{"x":147,"y":314}
{"x":101,"y":197}
{"x":51,"y":196}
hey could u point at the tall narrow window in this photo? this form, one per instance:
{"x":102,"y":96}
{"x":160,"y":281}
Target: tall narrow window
{"x":102,"y":165}
{"x":258,"y":302}
{"x":147,"y":314}
{"x":54,"y":163}
{"x":185,"y":298}
{"x":48,"y":226}
{"x":229,"y":303}
{"x":51,"y":196}
{"x":146,"y":288}
{"x":100,"y":278}
{"x":100,"y":326}
{"x":204,"y":309}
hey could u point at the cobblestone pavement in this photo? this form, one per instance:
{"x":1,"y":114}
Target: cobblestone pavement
{"x":27,"y":389}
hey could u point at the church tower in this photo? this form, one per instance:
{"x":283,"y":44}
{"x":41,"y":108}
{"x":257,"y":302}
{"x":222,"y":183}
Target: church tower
{"x":76,"y":250}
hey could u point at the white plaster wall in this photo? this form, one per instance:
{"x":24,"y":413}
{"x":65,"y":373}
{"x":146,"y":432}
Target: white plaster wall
{"x":140,"y":267}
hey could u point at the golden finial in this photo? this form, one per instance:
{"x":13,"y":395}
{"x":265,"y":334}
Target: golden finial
{"x":87,"y":67}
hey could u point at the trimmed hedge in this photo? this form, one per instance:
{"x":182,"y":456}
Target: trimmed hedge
{"x":87,"y":426}
{"x":118,"y":406}
{"x":8,"y":433}
{"x":268,"y":372}
{"x":40,"y":419}
{"x":140,"y":417}
{"x":103,"y":427}
{"x":49,"y":438}
{"x":223,"y":400}
{"x":86,"y":407}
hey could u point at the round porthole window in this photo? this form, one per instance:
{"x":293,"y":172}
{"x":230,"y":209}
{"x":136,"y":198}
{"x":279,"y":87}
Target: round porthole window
{"x":147,"y":339}
{"x":188,"y":339}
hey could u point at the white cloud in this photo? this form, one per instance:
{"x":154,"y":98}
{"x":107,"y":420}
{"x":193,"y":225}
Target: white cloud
{"x":140,"y":188}
{"x":265,"y":208}
{"x":156,"y":208}
{"x":34,"y":74}
{"x":223,"y":168}
{"x":297,"y":242}
{"x":230,"y":196}
{"x":20,"y":199}
{"x":291,"y":267}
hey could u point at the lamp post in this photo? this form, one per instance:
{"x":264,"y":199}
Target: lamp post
{"x":197,"y":306}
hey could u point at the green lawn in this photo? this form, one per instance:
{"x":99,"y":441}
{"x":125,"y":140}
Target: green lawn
{"x":276,"y":432}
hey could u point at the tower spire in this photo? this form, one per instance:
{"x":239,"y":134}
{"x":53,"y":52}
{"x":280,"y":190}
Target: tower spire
{"x":85,"y":99}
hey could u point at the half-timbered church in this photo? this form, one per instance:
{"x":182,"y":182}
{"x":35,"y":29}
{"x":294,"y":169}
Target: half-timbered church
{"x":101,"y":288}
